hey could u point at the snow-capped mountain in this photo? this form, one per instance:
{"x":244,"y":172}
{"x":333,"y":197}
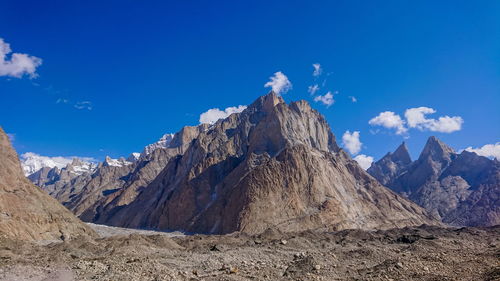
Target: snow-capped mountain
{"x":163,"y":142}
{"x":134,"y":156}
{"x":32,"y":162}
{"x":79,"y":167}
{"x":120,"y":162}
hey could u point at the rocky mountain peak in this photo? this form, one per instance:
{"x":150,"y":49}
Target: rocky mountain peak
{"x":267,"y":102}
{"x":273,"y":164}
{"x":391,"y":165}
{"x":120,"y":162}
{"x":436,"y":150}
{"x":76,"y":162}
{"x":164,"y":141}
{"x":134,"y":156}
{"x":186,"y":135}
{"x":402,"y":154}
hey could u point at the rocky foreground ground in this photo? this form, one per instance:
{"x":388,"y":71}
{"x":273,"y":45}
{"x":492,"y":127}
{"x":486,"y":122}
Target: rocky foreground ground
{"x":423,"y":253}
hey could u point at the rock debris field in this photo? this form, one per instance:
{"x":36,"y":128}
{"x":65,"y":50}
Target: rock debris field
{"x":421,"y":253}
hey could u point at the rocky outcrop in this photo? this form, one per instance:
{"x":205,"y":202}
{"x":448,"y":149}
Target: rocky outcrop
{"x":272,"y":165}
{"x":460,"y":189}
{"x":26,"y":212}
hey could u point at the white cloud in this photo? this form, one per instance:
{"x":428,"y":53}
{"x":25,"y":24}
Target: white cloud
{"x":390,"y":120}
{"x":32,"y":162}
{"x":487,"y":150}
{"x":279,"y":83}
{"x":18,"y":64}
{"x":351,"y":142}
{"x":60,"y":100}
{"x":416,"y":119}
{"x":326,"y":99}
{"x":353,"y":99}
{"x":317,"y":69}
{"x":364,"y":161}
{"x":214,"y":114}
{"x":83,"y":105}
{"x":313,"y":89}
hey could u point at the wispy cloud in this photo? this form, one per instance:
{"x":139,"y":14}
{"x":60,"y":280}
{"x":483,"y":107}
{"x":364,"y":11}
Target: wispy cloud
{"x":317,"y":69}
{"x":313,"y":89}
{"x":83,"y":105}
{"x":279,"y":83}
{"x":18,"y":64}
{"x":326,"y":99}
{"x":353,"y":99}
{"x":61,"y":100}
{"x":212,"y":115}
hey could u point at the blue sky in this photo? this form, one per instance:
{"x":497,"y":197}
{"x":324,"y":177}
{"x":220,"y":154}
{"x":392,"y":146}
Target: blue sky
{"x":139,"y":69}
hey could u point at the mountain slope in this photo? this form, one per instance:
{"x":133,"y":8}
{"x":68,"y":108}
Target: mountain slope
{"x":460,"y":189}
{"x":271,"y":165}
{"x":26,"y":212}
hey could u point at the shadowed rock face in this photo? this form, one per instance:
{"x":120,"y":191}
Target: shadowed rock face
{"x":271,"y":165}
{"x":26,"y":212}
{"x":460,"y":189}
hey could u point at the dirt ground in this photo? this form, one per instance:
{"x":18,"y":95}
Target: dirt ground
{"x":423,"y":253}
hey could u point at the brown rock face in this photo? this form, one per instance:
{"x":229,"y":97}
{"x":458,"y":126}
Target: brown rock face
{"x":273,"y":165}
{"x":26,"y":212}
{"x":460,"y":189}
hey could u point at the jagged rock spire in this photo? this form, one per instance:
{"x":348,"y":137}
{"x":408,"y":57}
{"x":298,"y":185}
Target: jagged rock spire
{"x":401,"y":154}
{"x":436,"y":150}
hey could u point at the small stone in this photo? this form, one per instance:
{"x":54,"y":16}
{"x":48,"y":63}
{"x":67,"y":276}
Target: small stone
{"x":317,"y":267}
{"x":283,"y":242}
{"x":426,"y":268}
{"x":399,"y":265}
{"x":214,"y":248}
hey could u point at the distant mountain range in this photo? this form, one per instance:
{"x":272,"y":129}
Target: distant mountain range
{"x":272,"y":165}
{"x":461,"y":189}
